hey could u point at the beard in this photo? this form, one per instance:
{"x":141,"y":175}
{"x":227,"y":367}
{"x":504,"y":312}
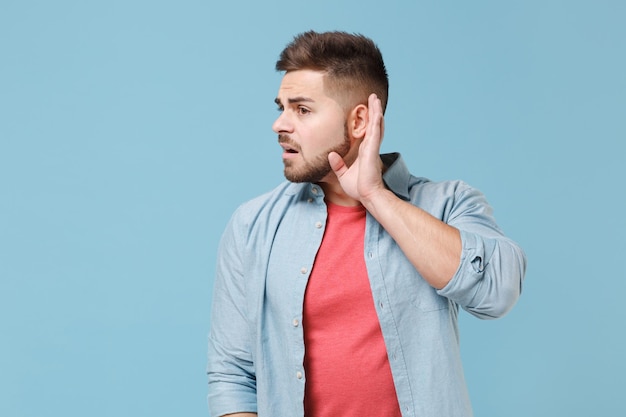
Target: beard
{"x":318,"y":167}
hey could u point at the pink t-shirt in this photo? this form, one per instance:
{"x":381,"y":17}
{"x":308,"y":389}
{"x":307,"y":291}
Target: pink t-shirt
{"x":347,"y":369}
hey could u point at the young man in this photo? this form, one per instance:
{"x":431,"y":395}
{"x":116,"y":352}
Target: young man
{"x":337,"y":293}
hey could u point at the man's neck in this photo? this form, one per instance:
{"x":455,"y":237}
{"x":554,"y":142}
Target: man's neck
{"x":335,"y":194}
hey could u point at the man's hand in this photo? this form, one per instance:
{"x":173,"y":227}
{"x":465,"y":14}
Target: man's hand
{"x":364,"y":178}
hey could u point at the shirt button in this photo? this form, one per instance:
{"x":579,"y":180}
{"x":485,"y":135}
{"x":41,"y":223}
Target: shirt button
{"x":318,"y":225}
{"x":310,"y":200}
{"x":303,"y":270}
{"x":295,"y":322}
{"x":314,"y":190}
{"x":299,"y":375}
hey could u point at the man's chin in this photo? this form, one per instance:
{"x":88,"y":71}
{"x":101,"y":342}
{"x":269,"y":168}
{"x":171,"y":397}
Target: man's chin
{"x":311,"y":176}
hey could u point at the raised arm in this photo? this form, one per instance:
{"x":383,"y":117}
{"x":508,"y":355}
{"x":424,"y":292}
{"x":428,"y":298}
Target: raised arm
{"x":466,"y":258}
{"x":432,"y":246}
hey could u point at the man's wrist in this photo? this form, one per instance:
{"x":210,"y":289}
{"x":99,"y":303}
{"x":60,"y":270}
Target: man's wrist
{"x":377,"y":198}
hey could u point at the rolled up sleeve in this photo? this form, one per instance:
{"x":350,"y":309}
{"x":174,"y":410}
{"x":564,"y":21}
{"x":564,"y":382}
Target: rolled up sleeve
{"x":488,"y":281}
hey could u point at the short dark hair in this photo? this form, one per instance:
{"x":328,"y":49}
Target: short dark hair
{"x":352,"y":63}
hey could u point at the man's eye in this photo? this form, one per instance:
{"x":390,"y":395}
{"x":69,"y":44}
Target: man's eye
{"x":303,"y":110}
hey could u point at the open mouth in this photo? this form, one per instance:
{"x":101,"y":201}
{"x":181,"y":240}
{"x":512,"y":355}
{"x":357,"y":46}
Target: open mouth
{"x":288,"y":148}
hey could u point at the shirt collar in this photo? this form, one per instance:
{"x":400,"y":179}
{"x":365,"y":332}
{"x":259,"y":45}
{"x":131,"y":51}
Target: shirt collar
{"x":396,"y":177}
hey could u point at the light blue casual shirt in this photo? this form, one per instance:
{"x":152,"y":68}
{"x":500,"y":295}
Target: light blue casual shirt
{"x":256,"y":346}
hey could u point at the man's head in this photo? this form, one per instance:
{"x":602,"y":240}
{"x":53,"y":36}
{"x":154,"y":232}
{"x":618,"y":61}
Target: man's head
{"x":323,"y":100}
{"x":352,"y":65}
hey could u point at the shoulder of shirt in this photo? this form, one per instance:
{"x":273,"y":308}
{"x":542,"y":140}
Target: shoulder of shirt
{"x":408,"y":186}
{"x":404,"y":184}
{"x":446,"y":186}
{"x":275,"y":200}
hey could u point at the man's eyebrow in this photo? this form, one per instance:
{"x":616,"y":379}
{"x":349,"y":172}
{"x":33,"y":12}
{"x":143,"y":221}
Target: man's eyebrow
{"x":295,"y":100}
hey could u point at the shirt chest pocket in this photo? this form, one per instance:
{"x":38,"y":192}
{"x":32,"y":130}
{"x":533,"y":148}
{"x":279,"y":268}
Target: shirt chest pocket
{"x":402,"y":281}
{"x":431,"y":301}
{"x":409,"y":288}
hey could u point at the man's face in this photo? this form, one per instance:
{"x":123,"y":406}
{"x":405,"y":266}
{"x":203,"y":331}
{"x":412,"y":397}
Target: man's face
{"x":310,"y":126}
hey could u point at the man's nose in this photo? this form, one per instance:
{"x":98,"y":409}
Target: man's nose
{"x":282,"y":124}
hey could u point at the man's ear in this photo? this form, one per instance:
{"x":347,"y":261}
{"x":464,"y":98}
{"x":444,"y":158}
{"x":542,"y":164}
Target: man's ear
{"x":357,"y":121}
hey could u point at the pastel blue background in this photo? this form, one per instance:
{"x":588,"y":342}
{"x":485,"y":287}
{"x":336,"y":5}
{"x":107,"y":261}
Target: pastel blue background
{"x":130,"y":130}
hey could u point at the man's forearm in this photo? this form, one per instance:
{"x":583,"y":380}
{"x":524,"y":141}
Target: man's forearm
{"x":432,"y":246}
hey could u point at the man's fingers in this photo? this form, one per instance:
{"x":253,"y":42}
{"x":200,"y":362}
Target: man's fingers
{"x":370,"y":147}
{"x":337,"y":164}
{"x":375,"y":128}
